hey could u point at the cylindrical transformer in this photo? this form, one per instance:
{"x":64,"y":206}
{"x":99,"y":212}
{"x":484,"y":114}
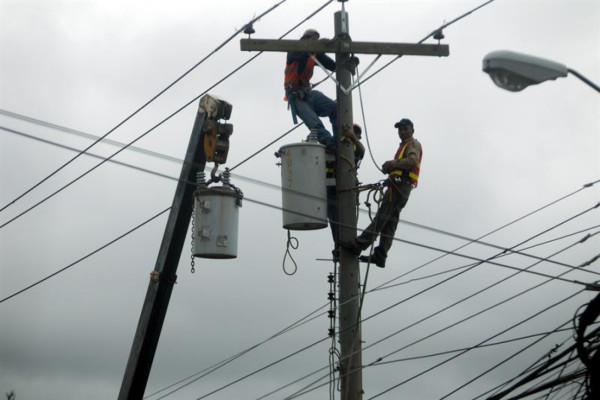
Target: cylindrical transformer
{"x":304,"y":196}
{"x":216,"y":214}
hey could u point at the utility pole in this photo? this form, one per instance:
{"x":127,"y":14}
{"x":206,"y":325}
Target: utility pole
{"x":164,"y":275}
{"x":343,"y":47}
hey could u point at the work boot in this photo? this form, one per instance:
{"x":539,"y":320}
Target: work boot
{"x":351,"y":245}
{"x":373,"y":260}
{"x":335,"y":253}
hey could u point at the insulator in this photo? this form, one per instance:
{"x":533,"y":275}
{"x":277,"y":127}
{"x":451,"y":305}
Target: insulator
{"x":331,"y":314}
{"x":331,"y":296}
{"x":330,"y":278}
{"x":331,"y":332}
{"x":226,"y":177}
{"x":312,"y":136}
{"x":200,"y":178}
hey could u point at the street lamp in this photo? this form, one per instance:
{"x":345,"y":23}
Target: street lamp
{"x":514,"y":71}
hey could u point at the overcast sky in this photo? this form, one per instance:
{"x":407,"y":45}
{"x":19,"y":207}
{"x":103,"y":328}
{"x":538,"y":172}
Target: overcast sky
{"x":490,"y":157}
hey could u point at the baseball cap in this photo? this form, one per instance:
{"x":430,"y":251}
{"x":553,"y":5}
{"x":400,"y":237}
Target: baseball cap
{"x":404,"y":121}
{"x":310,"y":33}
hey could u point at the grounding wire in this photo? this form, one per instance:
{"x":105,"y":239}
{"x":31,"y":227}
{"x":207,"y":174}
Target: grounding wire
{"x":157,"y":125}
{"x":145,"y":104}
{"x":420,"y":226}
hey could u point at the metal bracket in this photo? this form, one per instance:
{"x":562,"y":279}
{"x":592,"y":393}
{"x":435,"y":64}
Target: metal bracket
{"x":154,"y":276}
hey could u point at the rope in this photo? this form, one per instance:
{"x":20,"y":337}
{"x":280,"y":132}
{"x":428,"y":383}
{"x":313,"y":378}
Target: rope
{"x":293,"y":243}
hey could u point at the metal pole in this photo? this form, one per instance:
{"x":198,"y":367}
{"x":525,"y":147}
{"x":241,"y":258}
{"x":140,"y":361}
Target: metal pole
{"x":350,"y":331}
{"x":164,"y":275}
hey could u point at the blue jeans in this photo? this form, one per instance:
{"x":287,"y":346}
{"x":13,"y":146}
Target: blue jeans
{"x":314,"y":105}
{"x":386,"y":221}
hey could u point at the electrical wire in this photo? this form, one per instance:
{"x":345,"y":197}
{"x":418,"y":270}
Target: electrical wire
{"x":442,"y":310}
{"x":520,"y":351}
{"x":252,"y":180}
{"x":533,"y":375}
{"x":493,"y":344}
{"x":423,"y":319}
{"x":157,"y":125}
{"x":443,"y":26}
{"x":143,"y":106}
{"x":384,"y":287}
{"x":302,"y":321}
{"x":279,"y":208}
{"x":86,"y":256}
{"x":483,"y":342}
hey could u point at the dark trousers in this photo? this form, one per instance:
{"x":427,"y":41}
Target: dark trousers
{"x":332,"y":214}
{"x":385,"y":221}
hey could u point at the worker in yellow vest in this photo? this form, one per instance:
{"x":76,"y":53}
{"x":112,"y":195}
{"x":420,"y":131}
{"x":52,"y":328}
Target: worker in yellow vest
{"x":403,"y":176}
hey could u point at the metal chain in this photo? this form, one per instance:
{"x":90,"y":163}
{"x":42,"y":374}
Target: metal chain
{"x":193,"y":261}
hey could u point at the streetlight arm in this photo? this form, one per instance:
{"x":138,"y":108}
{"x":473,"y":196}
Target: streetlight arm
{"x":584,"y":79}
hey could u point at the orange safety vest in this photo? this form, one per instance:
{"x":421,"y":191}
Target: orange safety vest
{"x":295,"y":80}
{"x":413,"y":173}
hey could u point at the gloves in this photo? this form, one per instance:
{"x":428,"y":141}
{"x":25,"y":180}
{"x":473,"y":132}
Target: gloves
{"x":388,"y":166}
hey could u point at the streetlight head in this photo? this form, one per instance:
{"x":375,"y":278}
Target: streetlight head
{"x":514,"y":72}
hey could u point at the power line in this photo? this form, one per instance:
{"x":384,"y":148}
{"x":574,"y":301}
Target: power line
{"x":501,"y":362}
{"x":157,"y":125}
{"x":493,"y":344}
{"x":84,"y":135}
{"x":143,"y":106}
{"x":428,"y":36}
{"x":420,"y":226}
{"x":383,"y":287}
{"x":442,"y":310}
{"x":309,"y":317}
{"x":86,"y":256}
{"x":483,"y":342}
{"x":276,"y":207}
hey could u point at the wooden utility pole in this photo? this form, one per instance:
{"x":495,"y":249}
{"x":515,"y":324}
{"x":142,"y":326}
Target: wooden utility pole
{"x":343,"y":47}
{"x":164,"y":275}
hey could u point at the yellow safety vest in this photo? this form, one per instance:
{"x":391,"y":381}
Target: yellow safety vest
{"x":413,"y":174}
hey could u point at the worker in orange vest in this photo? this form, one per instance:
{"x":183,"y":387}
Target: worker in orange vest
{"x":304,"y":102}
{"x":403,"y":176}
